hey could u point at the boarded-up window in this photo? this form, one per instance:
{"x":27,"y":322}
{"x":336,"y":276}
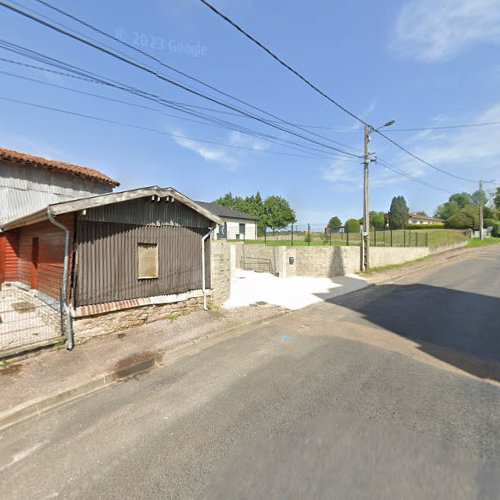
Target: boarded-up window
{"x":147,"y":258}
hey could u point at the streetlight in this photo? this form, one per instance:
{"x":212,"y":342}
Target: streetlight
{"x":365,"y":257}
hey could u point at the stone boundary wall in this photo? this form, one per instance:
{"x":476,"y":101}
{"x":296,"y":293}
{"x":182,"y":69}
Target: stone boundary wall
{"x":323,"y":261}
{"x":220,"y":271}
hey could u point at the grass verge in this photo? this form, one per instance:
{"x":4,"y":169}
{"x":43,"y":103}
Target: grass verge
{"x":483,"y":243}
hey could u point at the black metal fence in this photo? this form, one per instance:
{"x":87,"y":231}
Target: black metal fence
{"x":318,"y":235}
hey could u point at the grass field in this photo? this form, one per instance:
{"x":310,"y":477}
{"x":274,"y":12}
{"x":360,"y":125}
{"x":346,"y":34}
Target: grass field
{"x":398,"y":238}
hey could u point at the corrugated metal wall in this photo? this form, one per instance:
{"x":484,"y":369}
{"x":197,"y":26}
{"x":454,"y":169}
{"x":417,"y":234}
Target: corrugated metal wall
{"x":145,"y":212}
{"x":26,"y":188}
{"x":106,"y":266}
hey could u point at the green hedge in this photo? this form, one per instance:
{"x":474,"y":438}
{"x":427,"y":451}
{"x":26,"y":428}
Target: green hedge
{"x":425,"y":226}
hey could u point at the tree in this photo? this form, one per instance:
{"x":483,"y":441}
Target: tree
{"x":398,"y":213}
{"x":232,"y":202}
{"x":254,"y":205}
{"x":352,"y":226}
{"x":462,"y":199}
{"x":496,"y":199}
{"x":447,"y":210}
{"x":377,"y":220}
{"x":466,"y":218}
{"x":277,"y":213}
{"x":334,"y":223}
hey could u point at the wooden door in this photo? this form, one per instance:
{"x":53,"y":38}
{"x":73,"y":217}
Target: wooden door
{"x":35,"y":250}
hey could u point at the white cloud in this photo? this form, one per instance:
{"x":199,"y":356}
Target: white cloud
{"x":247,"y":141}
{"x":468,"y":152}
{"x":434,"y":30}
{"x":209,"y":153}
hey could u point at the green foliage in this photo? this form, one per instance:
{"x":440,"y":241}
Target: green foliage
{"x":274,"y":213}
{"x":488,"y":222}
{"x":496,"y":229}
{"x":424,"y":227}
{"x":462,"y":199}
{"x":447,"y":210}
{"x":466,"y":218}
{"x":496,"y":199}
{"x":377,"y":220}
{"x":334,"y":223}
{"x":277,"y":213}
{"x":398,"y":213}
{"x":352,"y":226}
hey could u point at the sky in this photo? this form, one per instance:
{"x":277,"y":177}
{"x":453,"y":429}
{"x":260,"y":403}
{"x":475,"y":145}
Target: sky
{"x":422,"y":63}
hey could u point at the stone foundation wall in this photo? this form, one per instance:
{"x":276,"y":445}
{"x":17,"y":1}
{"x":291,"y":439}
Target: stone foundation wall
{"x":116,"y":321}
{"x":220,"y":271}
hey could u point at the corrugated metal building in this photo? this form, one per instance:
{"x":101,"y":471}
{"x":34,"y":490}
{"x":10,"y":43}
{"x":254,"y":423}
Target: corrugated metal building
{"x":29,"y":183}
{"x":113,"y":251}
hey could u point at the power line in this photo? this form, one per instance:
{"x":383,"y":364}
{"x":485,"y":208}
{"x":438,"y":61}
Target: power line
{"x":444,"y":127}
{"x":161,"y":77}
{"x":171,"y":68}
{"x":394,"y":169}
{"x":148,"y":129}
{"x":323,"y":94}
{"x":182,"y":73}
{"x":80,"y":74}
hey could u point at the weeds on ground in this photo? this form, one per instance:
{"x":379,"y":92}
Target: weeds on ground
{"x":476,"y":242}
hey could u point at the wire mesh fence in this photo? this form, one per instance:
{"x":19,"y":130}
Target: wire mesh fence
{"x":319,"y":235}
{"x":26,"y":318}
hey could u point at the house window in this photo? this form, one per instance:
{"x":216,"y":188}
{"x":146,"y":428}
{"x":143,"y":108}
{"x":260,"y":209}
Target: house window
{"x":242,"y":229}
{"x":147,"y":261}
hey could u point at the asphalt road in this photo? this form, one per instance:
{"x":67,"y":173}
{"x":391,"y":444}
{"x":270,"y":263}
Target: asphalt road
{"x":379,"y":394}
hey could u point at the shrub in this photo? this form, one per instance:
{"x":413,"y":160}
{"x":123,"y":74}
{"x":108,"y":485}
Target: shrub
{"x":496,"y":229}
{"x":352,"y":226}
{"x":425,"y":226}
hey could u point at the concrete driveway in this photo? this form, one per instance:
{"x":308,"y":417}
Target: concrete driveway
{"x":249,"y":287}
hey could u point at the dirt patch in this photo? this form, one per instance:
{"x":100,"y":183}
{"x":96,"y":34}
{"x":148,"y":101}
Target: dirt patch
{"x":121,"y":335}
{"x":134,"y":359}
{"x":10,"y":370}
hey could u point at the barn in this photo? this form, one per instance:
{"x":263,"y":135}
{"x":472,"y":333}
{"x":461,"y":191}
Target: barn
{"x":103,"y":263}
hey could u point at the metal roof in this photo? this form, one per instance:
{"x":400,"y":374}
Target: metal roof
{"x":76,"y":205}
{"x":38,"y":161}
{"x":224,"y":212}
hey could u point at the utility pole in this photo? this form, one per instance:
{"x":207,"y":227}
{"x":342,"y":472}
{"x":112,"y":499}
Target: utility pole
{"x":481,"y":210}
{"x":365,"y":248}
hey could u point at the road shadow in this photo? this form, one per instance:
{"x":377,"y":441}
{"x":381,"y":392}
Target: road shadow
{"x":460,"y":328}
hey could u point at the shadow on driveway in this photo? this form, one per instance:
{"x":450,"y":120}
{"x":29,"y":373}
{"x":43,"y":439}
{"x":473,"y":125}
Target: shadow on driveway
{"x":457,"y":327}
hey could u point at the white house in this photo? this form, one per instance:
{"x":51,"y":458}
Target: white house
{"x":237,"y":225}
{"x":418,"y":219}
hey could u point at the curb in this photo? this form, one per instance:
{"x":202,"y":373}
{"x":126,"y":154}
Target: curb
{"x":38,"y":406}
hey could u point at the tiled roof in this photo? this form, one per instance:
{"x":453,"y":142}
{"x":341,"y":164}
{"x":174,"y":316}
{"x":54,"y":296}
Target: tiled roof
{"x":224,"y":212}
{"x":90,"y":173}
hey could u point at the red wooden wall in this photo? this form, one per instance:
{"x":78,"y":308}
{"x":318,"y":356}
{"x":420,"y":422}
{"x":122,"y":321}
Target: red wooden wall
{"x":50,"y":266}
{"x":8,"y":256}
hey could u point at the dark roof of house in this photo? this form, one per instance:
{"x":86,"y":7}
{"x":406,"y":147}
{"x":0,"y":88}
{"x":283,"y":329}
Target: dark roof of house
{"x":224,"y":212}
{"x":38,"y":161}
